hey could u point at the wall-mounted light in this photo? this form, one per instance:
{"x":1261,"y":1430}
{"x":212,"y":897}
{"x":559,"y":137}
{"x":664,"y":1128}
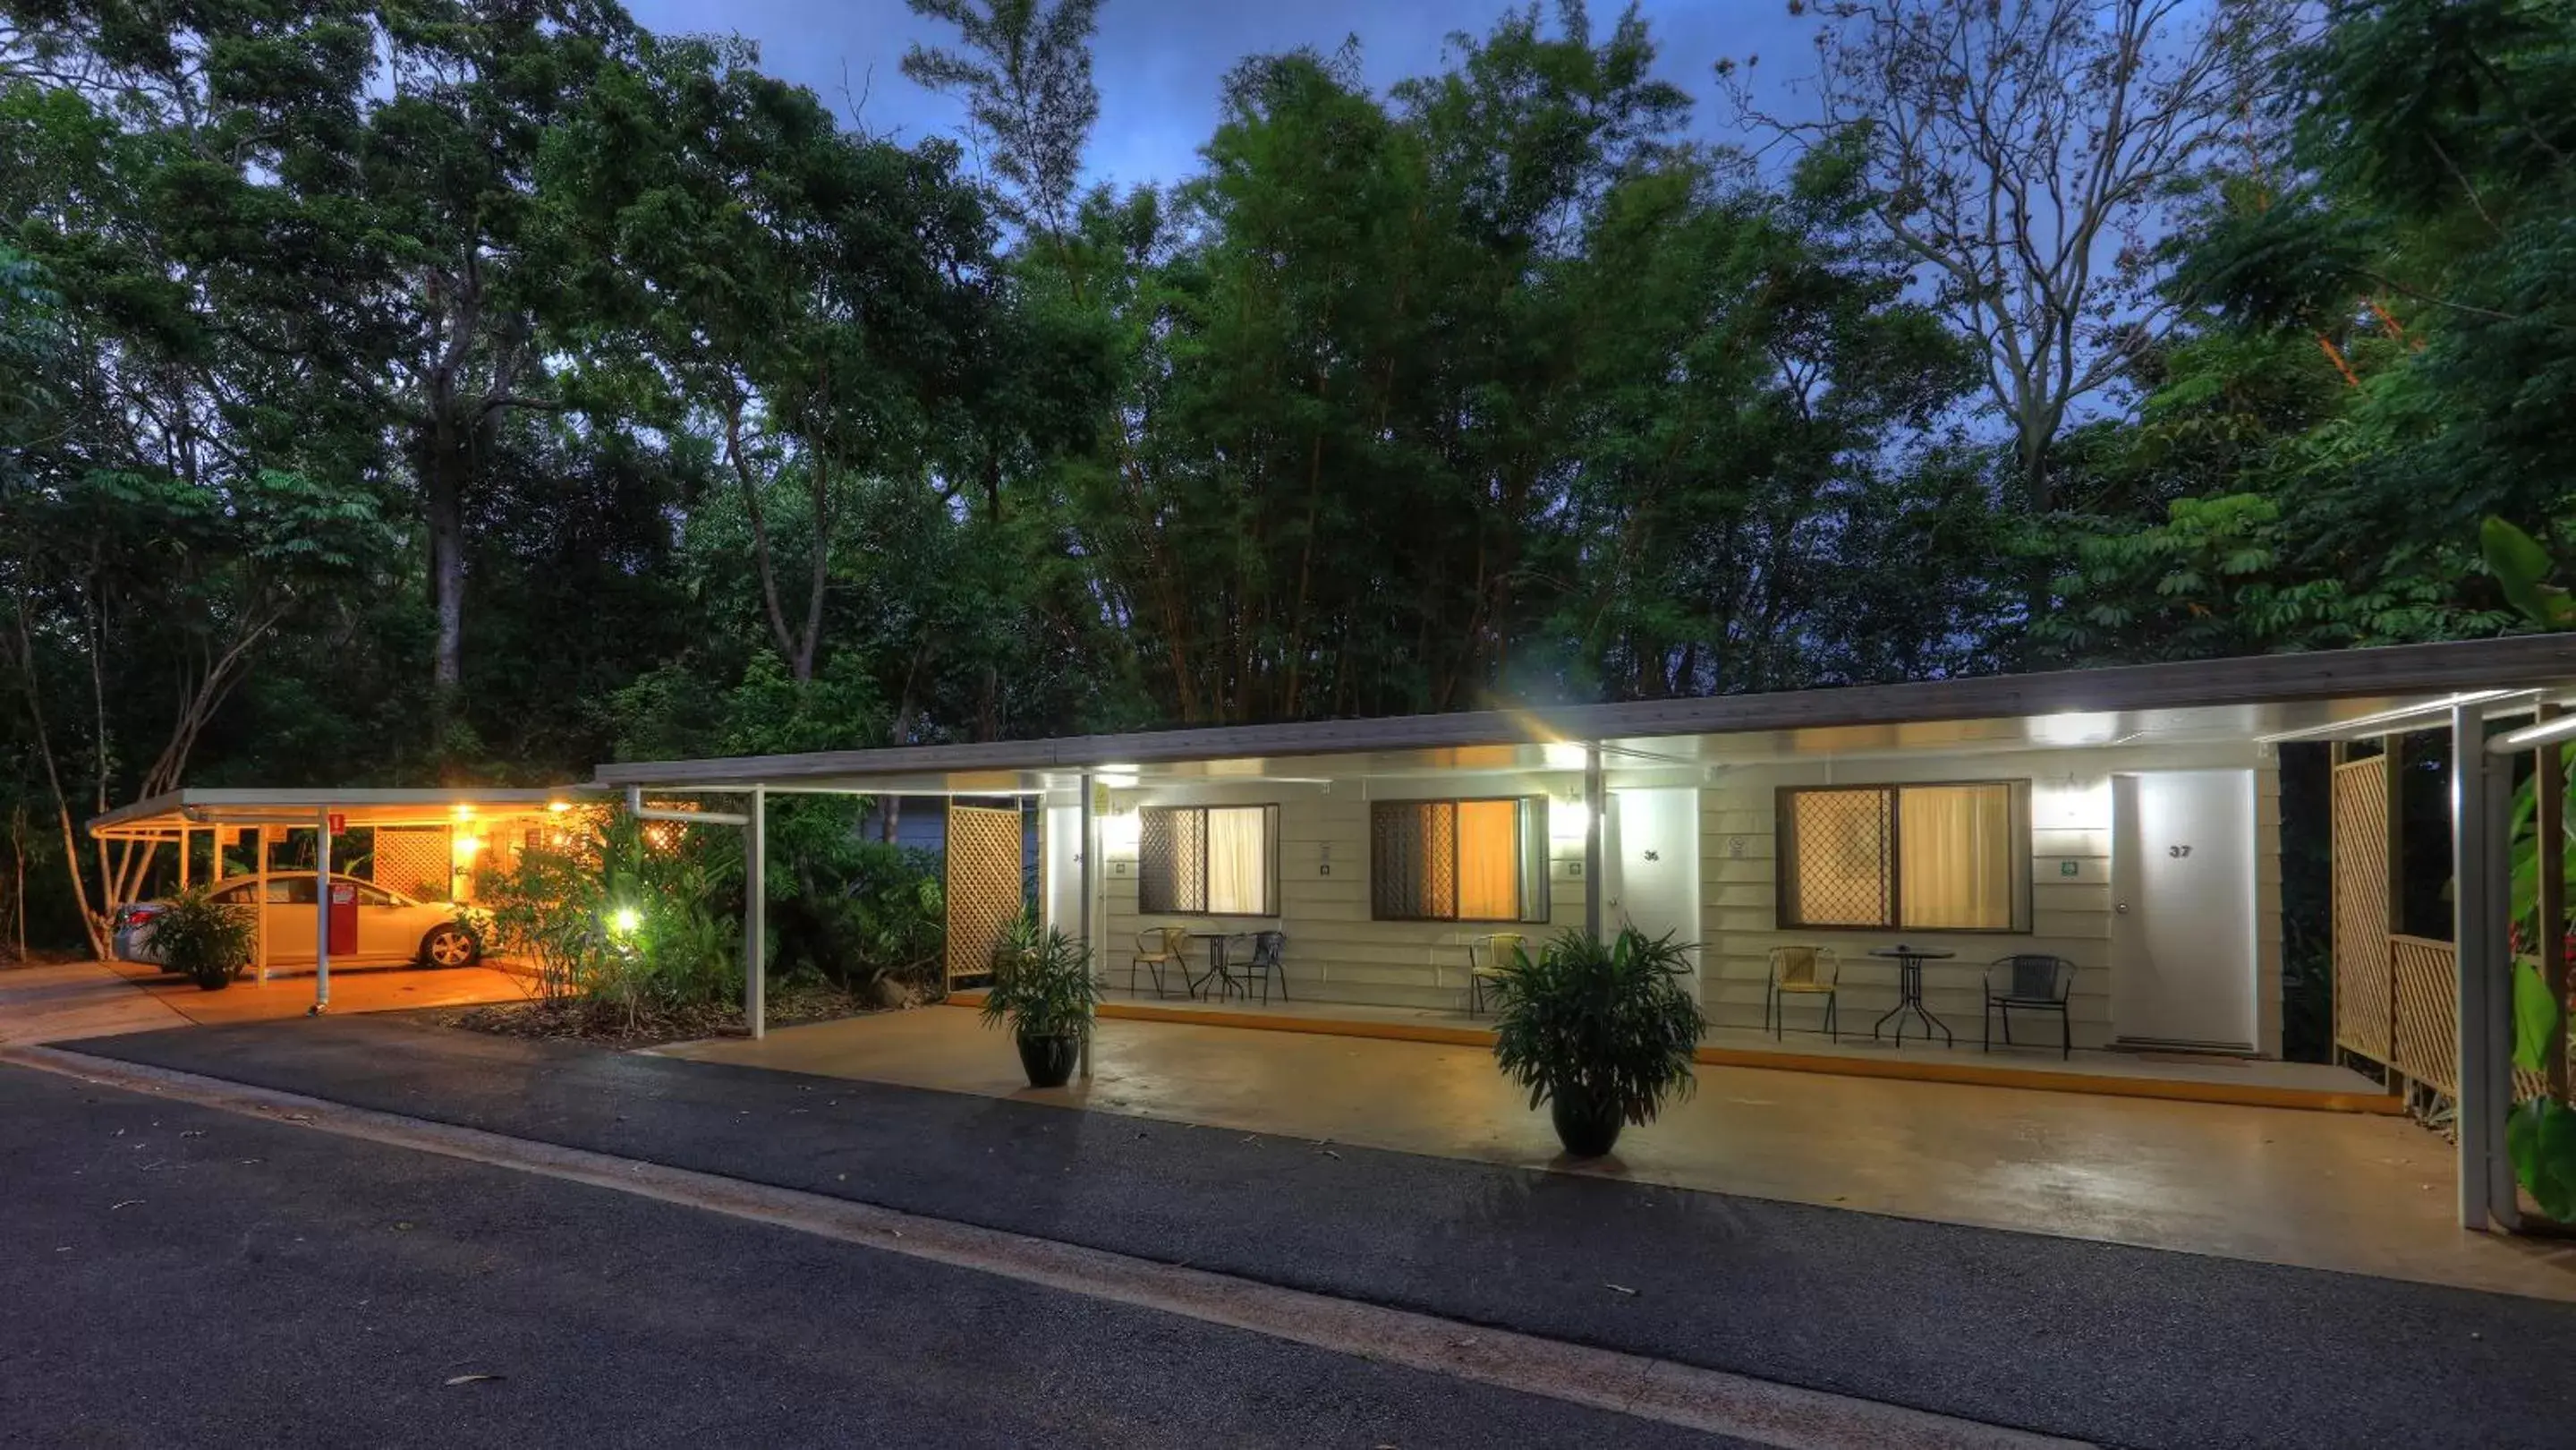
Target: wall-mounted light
{"x":558,"y":807}
{"x":624,"y":920}
{"x":1121,"y":832}
{"x":1568,"y":822}
{"x":1117,"y":777}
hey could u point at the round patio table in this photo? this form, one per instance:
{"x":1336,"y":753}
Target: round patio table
{"x":1220,"y":950}
{"x":1909,"y":991}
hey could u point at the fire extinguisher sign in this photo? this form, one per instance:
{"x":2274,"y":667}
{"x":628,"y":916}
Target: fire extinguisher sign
{"x":338,"y":822}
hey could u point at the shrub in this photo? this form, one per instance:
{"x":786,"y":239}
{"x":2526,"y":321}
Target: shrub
{"x":1042,"y":982}
{"x":1611,"y":1024}
{"x":209,"y":940}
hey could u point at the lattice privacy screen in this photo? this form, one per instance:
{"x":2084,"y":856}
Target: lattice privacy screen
{"x":415,"y":860}
{"x":2364,"y":999}
{"x":984,"y":885}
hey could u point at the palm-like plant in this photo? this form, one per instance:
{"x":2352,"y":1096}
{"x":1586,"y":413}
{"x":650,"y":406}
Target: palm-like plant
{"x":209,"y":940}
{"x":1042,"y":986}
{"x":1602,"y":1033}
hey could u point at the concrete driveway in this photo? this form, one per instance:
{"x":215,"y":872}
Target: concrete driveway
{"x":61,"y":1001}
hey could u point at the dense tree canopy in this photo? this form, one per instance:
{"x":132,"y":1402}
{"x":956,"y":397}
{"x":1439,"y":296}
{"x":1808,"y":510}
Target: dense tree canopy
{"x":477,"y":389}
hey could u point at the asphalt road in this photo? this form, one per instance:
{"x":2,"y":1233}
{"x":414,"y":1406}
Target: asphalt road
{"x":179,"y":1276}
{"x":2095,"y":1341}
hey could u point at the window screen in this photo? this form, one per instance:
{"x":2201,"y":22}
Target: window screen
{"x":1207,"y":861}
{"x":1951,"y":857}
{"x":1458,"y":860}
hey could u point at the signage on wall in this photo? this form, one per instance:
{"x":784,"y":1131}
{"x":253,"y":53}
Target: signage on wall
{"x":2067,"y":868}
{"x":1099,"y":799}
{"x":338,"y":822}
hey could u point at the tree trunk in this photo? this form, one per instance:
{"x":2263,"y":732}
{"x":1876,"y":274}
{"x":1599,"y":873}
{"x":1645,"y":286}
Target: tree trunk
{"x":442,"y":480}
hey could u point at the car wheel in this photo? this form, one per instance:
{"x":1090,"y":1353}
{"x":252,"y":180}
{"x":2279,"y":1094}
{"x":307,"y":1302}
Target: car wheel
{"x":450,"y":945}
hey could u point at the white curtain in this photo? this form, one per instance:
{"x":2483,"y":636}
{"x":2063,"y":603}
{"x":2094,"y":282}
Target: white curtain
{"x":1238,"y":861}
{"x":1489,"y":860}
{"x":1954,"y":856}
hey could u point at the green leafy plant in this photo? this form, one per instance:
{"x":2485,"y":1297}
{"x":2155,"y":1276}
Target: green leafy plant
{"x":1042,"y":983}
{"x":1604,"y":1030}
{"x":2540,"y":1133}
{"x":209,"y":940}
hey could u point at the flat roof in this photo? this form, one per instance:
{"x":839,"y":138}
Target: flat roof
{"x":422,"y":806}
{"x":2244,"y":698}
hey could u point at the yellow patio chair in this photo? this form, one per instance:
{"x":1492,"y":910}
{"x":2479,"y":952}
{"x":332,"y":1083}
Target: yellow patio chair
{"x":1805,"y":972}
{"x":1482,"y":976}
{"x":1157,"y":947}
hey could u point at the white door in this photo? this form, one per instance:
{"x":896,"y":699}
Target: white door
{"x":1064,"y":869}
{"x":1651,"y":843}
{"x":2182,"y":901}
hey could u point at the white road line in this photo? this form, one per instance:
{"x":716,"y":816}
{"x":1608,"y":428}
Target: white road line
{"x":1759,"y":1411}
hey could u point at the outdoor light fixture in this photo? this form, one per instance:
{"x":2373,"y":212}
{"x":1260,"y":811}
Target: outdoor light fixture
{"x":466,"y":846}
{"x":558,"y":807}
{"x":2074,"y":727}
{"x":1564,"y":755}
{"x":463,"y":813}
{"x":1568,"y":822}
{"x":624,"y":920}
{"x":1121,"y":832}
{"x":1117,"y":777}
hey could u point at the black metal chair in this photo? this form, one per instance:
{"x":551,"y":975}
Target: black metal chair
{"x":1269,"y":948}
{"x":2034,"y":982}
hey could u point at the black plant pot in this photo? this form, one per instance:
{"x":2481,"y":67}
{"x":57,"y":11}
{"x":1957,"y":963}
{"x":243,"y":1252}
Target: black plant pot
{"x":1049,"y":1060}
{"x":1588,"y":1127}
{"x":212,"y":981}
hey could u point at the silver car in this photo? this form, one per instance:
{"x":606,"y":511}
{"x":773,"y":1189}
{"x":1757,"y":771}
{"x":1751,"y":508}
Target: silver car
{"x":391,"y":927}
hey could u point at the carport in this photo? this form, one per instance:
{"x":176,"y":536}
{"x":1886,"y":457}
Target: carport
{"x":444,"y":831}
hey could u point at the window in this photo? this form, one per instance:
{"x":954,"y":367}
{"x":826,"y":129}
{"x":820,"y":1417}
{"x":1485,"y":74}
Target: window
{"x":1208,"y":861}
{"x":1458,"y":860}
{"x":376,"y":896}
{"x":1950,"y":857}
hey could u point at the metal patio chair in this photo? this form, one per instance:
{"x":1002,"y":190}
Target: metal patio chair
{"x":1157,"y":947}
{"x":1802,"y":972}
{"x":2034,"y":982}
{"x":1484,"y":978}
{"x":1269,"y":948}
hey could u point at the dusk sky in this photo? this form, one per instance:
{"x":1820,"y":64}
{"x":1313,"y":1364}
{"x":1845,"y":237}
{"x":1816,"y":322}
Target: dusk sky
{"x":1158,"y":62}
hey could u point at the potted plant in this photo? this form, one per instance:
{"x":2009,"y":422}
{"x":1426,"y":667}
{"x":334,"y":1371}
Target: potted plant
{"x":1042,"y":986}
{"x":209,"y":940}
{"x":1600,"y":1032}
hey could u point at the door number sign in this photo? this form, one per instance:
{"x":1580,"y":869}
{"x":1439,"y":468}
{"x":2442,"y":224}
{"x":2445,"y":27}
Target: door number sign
{"x":2177,"y":852}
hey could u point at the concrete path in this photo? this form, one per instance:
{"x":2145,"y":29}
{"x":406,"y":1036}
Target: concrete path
{"x":64,"y":1000}
{"x":2089,"y":1340}
{"x":182,"y":1276}
{"x":2321,"y":1190}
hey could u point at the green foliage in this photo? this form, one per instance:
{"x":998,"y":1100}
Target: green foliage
{"x":621,"y":920}
{"x":2540,"y":1138}
{"x":207,"y":940}
{"x":1042,"y":982}
{"x":1609,"y":1022}
{"x":2522,"y":567}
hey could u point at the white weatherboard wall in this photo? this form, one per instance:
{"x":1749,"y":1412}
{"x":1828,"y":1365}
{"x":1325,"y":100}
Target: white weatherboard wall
{"x":2071,"y":904}
{"x":1336,"y":952}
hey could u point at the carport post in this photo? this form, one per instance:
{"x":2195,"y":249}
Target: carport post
{"x":1085,"y":854}
{"x":322,"y":909}
{"x":755,"y":915}
{"x":2482,"y":909}
{"x":261,"y":893}
{"x":183,"y":856}
{"x":1595,"y":801}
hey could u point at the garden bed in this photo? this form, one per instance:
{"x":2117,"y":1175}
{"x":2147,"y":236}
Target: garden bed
{"x":610,"y":1024}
